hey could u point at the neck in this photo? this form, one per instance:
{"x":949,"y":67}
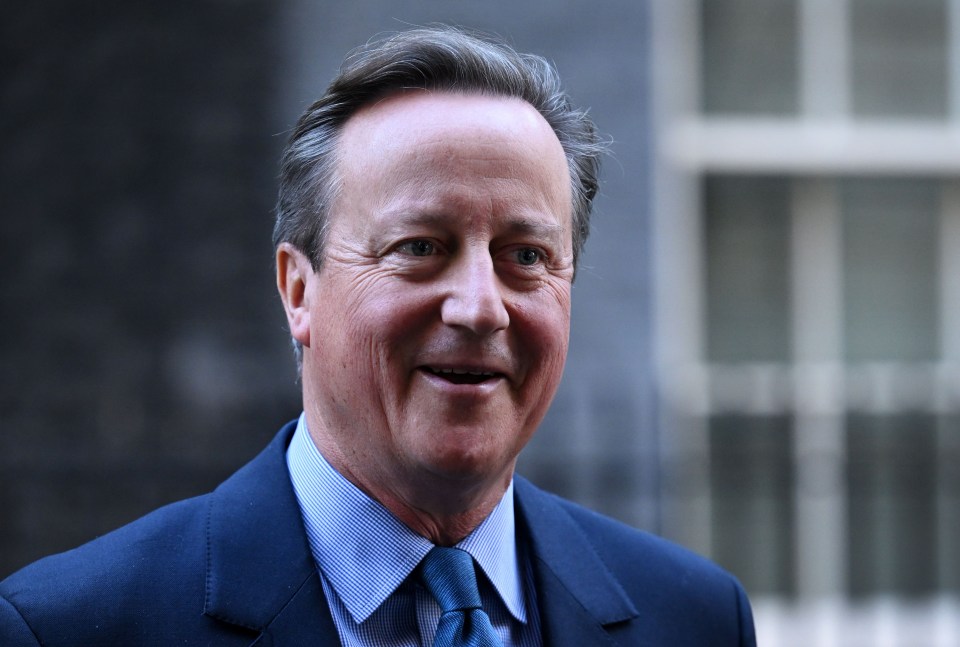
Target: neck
{"x":442,"y":507}
{"x":445,"y":520}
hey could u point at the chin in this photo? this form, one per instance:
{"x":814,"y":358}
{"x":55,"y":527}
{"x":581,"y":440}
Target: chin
{"x":466,"y":466}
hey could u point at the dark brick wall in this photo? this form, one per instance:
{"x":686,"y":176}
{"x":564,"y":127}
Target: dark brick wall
{"x":142,"y":353}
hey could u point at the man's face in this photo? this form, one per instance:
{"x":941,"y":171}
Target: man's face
{"x":439,"y":320}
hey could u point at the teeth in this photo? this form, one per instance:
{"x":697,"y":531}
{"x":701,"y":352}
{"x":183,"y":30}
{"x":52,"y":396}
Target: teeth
{"x":461,"y":371}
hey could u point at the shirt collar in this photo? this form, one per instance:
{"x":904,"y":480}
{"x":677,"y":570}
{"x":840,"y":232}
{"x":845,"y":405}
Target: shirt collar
{"x":366,"y":553}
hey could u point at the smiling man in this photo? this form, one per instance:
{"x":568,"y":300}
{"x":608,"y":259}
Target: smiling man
{"x":435,"y":329}
{"x":433,"y":206}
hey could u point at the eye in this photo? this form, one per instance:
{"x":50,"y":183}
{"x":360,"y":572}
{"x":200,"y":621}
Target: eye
{"x":419,"y":247}
{"x":528,"y":256}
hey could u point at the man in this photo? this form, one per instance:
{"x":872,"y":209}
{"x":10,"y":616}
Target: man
{"x":432,"y":209}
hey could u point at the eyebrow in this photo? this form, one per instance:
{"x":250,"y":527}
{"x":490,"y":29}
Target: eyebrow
{"x":515,"y":225}
{"x":538,"y":229}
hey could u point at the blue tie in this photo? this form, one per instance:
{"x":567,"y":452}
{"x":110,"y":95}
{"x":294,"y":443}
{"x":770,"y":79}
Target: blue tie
{"x":449,"y":576}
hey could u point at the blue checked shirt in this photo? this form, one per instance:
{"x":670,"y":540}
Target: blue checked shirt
{"x":366,"y":555}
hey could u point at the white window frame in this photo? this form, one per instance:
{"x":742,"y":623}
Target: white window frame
{"x":818,"y":146}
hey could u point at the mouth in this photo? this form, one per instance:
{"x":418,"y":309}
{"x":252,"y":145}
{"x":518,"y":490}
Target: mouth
{"x":462,"y":375}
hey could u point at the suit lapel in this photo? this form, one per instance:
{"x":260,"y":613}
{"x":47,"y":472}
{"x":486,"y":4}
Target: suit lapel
{"x":577,"y":595}
{"x":305,"y":620}
{"x":260,"y":573}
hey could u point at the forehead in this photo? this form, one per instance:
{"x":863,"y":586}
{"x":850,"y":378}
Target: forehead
{"x":425,"y":109}
{"x":422,"y":136}
{"x":416,"y":123}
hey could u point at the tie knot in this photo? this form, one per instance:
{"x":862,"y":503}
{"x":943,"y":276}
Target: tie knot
{"x":449,"y":576}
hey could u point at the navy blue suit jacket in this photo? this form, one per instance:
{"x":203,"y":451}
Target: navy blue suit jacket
{"x":234,"y":568}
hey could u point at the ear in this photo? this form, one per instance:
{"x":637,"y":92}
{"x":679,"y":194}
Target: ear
{"x":294,"y":271}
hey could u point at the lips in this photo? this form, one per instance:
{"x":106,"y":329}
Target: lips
{"x":463,"y":375}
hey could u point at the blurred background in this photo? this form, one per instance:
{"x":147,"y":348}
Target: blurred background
{"x":766,"y":327}
{"x":806,"y":240}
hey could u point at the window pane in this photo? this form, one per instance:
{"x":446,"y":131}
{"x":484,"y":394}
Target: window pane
{"x":890,"y":230}
{"x":892,"y":482}
{"x":899,"y":58}
{"x":747,"y":243}
{"x":749,"y":56}
{"x":751,"y":481}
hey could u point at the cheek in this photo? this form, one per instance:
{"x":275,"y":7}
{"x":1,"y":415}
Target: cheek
{"x":372,"y":331}
{"x":343,"y":339}
{"x":355,"y":308}
{"x":552,"y":371}
{"x":552,"y":316}
{"x":545,"y":334}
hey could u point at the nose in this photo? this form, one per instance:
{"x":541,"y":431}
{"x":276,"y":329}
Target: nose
{"x":474,"y":298}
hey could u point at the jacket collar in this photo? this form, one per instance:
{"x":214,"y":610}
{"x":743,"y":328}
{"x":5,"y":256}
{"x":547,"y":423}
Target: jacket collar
{"x":577,"y":595}
{"x":260,"y":573}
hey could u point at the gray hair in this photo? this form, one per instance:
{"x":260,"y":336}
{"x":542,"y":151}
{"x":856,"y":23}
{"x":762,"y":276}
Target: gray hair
{"x":434,"y":58}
